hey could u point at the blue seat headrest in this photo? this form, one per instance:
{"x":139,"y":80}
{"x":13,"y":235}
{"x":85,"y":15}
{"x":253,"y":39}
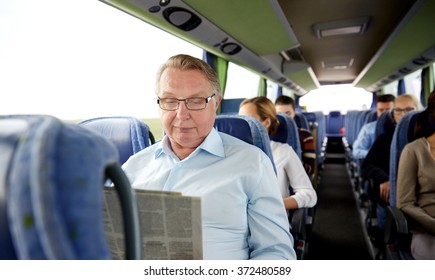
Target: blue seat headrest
{"x":247,"y":129}
{"x":288,"y":132}
{"x":54,"y":186}
{"x":282,"y":133}
{"x":385,"y":123}
{"x":130,"y":135}
{"x":236,"y":127}
{"x":311,"y":117}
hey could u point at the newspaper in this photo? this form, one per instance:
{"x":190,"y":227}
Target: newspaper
{"x":171,"y":226}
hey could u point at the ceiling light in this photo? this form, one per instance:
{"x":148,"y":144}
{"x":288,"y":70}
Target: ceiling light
{"x":341,"y":27}
{"x":337,"y":64}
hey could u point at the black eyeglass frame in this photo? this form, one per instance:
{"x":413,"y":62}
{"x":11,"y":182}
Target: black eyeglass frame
{"x":186,"y":101}
{"x":405,"y":110}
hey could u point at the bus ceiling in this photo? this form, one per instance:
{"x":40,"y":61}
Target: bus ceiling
{"x":304,"y":44}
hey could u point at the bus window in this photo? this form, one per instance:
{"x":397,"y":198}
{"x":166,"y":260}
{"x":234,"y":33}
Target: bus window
{"x":413,"y":83}
{"x":241,"y":83}
{"x":272,"y":90}
{"x":391,"y":88}
{"x":336,"y":98}
{"x":84,"y":60}
{"x":286,"y":91}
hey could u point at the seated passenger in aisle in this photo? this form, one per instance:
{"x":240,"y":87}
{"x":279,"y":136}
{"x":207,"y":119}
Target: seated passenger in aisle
{"x":376,"y":165}
{"x":243,"y":215}
{"x":289,"y":167}
{"x":366,"y":135}
{"x":416,"y":184}
{"x":285,"y":104}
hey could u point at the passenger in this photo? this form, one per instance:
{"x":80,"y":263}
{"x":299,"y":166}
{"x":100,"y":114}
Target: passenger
{"x":376,"y":165}
{"x":285,"y":104}
{"x":289,"y":167}
{"x":366,"y":135}
{"x":416,"y":184}
{"x":243,"y":216}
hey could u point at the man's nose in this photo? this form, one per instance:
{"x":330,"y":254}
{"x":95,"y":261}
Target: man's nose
{"x":182,"y":111}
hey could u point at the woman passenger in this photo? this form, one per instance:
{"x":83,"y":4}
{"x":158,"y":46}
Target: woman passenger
{"x":416,"y":184}
{"x":290,"y":170}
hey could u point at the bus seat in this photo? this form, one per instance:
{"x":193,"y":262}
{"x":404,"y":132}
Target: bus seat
{"x":359,"y":122}
{"x":287,"y":132}
{"x":231,"y":106}
{"x":311,"y":119}
{"x":351,"y":130}
{"x":350,"y":126}
{"x":334,"y":124}
{"x":384,"y":121}
{"x":321,"y":136}
{"x":375,"y":224}
{"x":51,"y":181}
{"x":247,"y":129}
{"x":403,"y":134}
{"x":301,"y":121}
{"x":397,"y":238}
{"x":370,"y":116}
{"x":130,"y":135}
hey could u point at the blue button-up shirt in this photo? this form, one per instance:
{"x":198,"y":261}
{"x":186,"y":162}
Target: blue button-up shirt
{"x":243,"y":215}
{"x":364,"y":141}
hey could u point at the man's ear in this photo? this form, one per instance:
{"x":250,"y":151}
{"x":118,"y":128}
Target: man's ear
{"x":218,"y":101}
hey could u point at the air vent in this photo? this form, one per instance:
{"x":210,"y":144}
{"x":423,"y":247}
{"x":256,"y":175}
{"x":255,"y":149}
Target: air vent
{"x":181,"y":18}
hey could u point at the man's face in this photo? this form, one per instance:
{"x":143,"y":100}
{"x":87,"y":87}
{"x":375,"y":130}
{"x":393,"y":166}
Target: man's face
{"x":383,"y":106}
{"x":401,"y":107}
{"x":286,"y":109}
{"x":184,"y":127}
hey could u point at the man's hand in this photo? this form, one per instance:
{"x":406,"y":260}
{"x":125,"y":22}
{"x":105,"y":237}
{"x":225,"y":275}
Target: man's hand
{"x":384,"y":190}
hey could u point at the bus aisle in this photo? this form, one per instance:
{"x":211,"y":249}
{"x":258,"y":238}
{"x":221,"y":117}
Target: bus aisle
{"x":338,"y":232}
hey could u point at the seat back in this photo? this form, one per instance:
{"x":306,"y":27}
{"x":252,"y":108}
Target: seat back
{"x":397,"y":238}
{"x":334,"y":124}
{"x":51,"y":186}
{"x":301,"y":121}
{"x":130,"y":135}
{"x":247,"y":129}
{"x":384,"y":121}
{"x":311,"y":119}
{"x":287,"y":132}
{"x":370,"y":116}
{"x":321,"y":134}
{"x":403,"y":134}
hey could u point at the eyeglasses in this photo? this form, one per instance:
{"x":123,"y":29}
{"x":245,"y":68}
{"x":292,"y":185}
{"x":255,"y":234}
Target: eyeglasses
{"x":405,"y":110}
{"x":193,"y":103}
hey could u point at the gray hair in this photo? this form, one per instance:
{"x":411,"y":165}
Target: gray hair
{"x":411,"y":97}
{"x":187,"y":62}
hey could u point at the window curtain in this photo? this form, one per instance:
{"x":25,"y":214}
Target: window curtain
{"x":279,"y":91}
{"x":262,"y":88}
{"x":401,"y":89}
{"x":427,"y":84}
{"x":297,"y":105}
{"x":220,"y":65}
{"x":374,"y":95}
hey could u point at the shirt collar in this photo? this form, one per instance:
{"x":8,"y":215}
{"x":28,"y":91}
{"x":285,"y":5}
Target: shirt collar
{"x":212,"y":144}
